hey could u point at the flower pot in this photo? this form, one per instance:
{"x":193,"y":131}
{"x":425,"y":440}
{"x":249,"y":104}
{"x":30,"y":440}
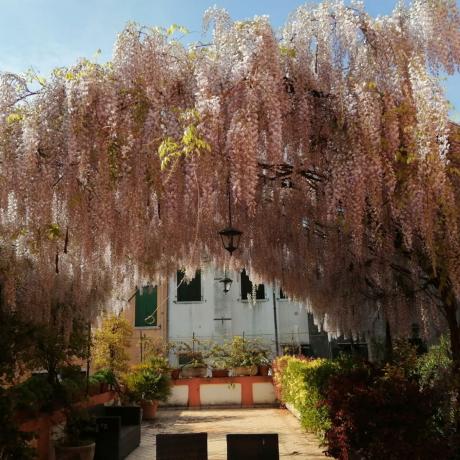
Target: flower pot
{"x":264,"y":369}
{"x":103,"y":387}
{"x":244,"y":370}
{"x":149,"y":409}
{"x":175,"y":373}
{"x":191,"y":372}
{"x":219,"y":373}
{"x":84,"y":452}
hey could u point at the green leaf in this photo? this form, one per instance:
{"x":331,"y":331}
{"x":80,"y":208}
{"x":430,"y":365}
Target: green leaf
{"x":176,"y":28}
{"x":53,"y":232}
{"x":287,"y":51}
{"x":14,"y":117}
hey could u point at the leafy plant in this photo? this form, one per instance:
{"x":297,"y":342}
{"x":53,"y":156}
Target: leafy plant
{"x":80,"y":427}
{"x":303,"y":383}
{"x":33,"y":395}
{"x":379,"y":414}
{"x":54,"y":349}
{"x":195,"y":353}
{"x":103,"y":375}
{"x":13,"y":442}
{"x":146,"y":382}
{"x":218,"y":357}
{"x":111,"y":342}
{"x":245,"y":352}
{"x":16,"y":344}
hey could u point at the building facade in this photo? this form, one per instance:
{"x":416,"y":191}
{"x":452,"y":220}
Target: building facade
{"x":181,"y":311}
{"x":147,"y":312}
{"x":202,"y":310}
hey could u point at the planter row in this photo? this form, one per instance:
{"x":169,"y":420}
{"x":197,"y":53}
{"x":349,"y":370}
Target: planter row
{"x":202,"y":371}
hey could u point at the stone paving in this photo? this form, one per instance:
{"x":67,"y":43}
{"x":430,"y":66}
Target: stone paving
{"x":293,"y":441}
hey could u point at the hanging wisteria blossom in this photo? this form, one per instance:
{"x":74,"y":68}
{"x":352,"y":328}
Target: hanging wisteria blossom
{"x":332,"y":138}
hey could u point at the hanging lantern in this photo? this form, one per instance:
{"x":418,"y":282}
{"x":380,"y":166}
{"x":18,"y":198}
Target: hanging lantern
{"x":227,"y":282}
{"x":230,"y":235}
{"x":230,"y":238}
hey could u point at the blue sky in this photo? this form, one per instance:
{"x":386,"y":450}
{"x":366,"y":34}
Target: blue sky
{"x":44,"y":34}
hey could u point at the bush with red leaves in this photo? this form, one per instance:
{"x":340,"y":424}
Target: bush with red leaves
{"x":382,"y":414}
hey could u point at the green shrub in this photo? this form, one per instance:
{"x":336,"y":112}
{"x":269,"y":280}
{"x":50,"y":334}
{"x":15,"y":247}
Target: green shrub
{"x":435,"y":372}
{"x":14,"y":444}
{"x":302,"y":384}
{"x":246,"y":352}
{"x":33,"y":395}
{"x":145,"y":382}
{"x":104,"y":375}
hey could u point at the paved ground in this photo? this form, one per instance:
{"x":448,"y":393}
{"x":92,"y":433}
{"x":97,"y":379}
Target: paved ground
{"x":293,"y":441}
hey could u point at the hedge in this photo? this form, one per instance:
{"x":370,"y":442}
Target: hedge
{"x":302,"y":383}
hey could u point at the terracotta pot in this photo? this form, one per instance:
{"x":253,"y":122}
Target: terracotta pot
{"x":219,"y":373}
{"x":191,"y":372}
{"x":103,"y":387}
{"x":85,"y":452}
{"x":149,"y":409}
{"x":175,"y":373}
{"x":264,"y":369}
{"x":244,"y":370}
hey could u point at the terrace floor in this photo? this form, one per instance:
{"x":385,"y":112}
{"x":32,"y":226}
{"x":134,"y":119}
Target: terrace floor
{"x":293,"y":441}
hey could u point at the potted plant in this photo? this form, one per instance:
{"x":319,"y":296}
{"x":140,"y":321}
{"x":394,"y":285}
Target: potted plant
{"x":218,"y":361}
{"x":104,"y":379}
{"x":146,"y":384}
{"x":195,"y":368}
{"x":261,"y":357}
{"x":242,"y":356}
{"x":264,"y":367}
{"x":196,"y":365}
{"x":160,"y":349}
{"x":79,"y":433}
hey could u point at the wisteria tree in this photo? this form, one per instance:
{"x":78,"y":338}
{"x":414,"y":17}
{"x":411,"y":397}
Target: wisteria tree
{"x":332,"y":138}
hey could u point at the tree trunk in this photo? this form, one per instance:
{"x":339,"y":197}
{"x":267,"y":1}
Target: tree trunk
{"x":388,"y":344}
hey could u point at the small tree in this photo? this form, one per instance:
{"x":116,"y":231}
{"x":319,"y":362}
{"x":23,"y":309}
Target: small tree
{"x":110,"y":344}
{"x":55,"y":349}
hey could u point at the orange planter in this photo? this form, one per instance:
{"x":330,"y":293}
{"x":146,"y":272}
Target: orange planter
{"x":219,"y":373}
{"x":81,"y":452}
{"x":264,"y":369}
{"x":149,"y":409}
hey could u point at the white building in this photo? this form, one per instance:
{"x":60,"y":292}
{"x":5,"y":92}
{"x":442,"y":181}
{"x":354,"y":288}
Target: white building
{"x":202,"y":309}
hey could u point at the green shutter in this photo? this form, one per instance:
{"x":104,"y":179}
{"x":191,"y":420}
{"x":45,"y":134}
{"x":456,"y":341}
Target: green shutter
{"x":190,"y":292}
{"x":146,"y":307}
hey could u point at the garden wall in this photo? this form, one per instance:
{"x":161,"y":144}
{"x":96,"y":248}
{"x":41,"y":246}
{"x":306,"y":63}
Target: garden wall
{"x":226,"y":391}
{"x":42,"y":425}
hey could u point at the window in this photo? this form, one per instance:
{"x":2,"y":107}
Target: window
{"x":189,"y":292}
{"x":246,"y":288}
{"x":146,"y":307}
{"x":282,"y":294}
